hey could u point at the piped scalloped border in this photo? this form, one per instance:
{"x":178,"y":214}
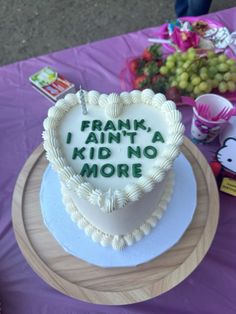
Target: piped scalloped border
{"x":109,"y":201}
{"x":119,"y":242}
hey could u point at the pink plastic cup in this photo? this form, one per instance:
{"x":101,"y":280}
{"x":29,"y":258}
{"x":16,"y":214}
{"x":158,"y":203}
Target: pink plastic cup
{"x":204,"y":130}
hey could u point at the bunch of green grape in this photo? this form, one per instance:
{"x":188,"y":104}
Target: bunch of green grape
{"x":197,"y":74}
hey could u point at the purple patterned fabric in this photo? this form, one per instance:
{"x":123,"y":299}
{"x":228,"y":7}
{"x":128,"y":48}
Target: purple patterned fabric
{"x":209,"y":289}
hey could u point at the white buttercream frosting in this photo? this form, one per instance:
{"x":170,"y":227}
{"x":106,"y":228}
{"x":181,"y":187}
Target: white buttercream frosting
{"x":177,"y":128}
{"x":158,"y":100}
{"x":173,"y":152}
{"x":56,"y":113}
{"x":84,"y":190}
{"x":63,"y":105}
{"x":95,"y":198}
{"x":66,"y":173}
{"x":89,"y":230}
{"x":151,"y":221}
{"x":168,"y":105}
{"x":126,"y":98}
{"x":106,"y":240}
{"x":136,"y":96}
{"x":74,"y":181}
{"x":113,"y":108}
{"x":103,"y":100}
{"x":59,"y":163}
{"x":146,"y":183}
{"x":133,"y":192}
{"x":147,"y":96}
{"x":74,"y":216}
{"x":50,"y":123}
{"x":174,"y":116}
{"x":93,"y":97}
{"x":157,"y":174}
{"x":71,"y":99}
{"x":164,"y":163}
{"x":176,"y":139}
{"x":107,"y":203}
{"x":114,"y":105}
{"x":113,"y":98}
{"x":146,"y":228}
{"x":81,"y":222}
{"x":119,"y":242}
{"x":121,"y":198}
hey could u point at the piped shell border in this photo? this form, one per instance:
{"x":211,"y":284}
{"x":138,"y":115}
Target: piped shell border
{"x":119,"y":242}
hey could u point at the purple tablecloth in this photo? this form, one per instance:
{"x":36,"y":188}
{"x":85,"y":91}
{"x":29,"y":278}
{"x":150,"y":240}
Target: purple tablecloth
{"x":209,"y":289}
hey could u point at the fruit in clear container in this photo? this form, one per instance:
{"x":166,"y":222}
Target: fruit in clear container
{"x":198,"y":74}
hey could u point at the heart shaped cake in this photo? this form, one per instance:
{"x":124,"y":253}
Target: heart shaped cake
{"x":114,"y":154}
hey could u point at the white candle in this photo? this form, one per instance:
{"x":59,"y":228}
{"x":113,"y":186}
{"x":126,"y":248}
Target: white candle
{"x":82,"y":100}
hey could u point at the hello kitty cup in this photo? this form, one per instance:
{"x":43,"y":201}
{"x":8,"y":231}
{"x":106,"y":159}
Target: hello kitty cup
{"x":204,"y":130}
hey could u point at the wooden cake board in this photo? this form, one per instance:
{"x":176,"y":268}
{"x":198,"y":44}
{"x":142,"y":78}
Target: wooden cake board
{"x":114,"y":286}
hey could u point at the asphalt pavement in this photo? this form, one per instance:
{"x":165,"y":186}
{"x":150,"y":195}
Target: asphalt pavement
{"x":31,"y":27}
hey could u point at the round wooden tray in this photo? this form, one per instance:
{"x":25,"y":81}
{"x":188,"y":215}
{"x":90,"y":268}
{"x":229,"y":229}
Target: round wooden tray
{"x":116,"y":286}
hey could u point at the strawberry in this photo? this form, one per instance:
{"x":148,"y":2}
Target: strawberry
{"x":215,"y":167}
{"x":147,"y":55}
{"x":141,"y":82}
{"x":152,"y":53}
{"x":136,"y":66}
{"x":133,"y":65}
{"x":173,"y":93}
